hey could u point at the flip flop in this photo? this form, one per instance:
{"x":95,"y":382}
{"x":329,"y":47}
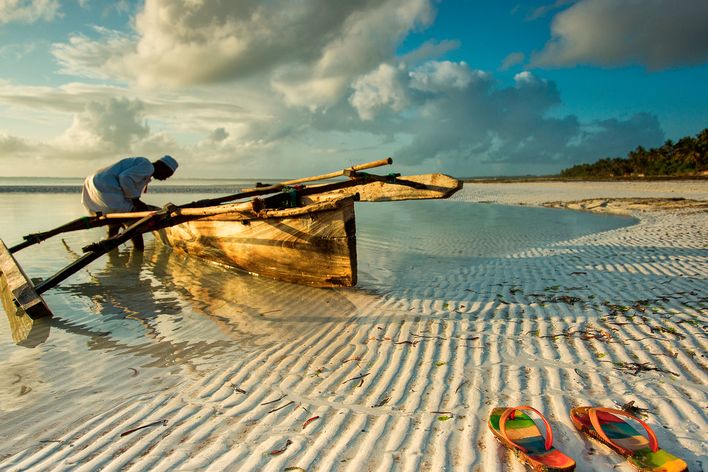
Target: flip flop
{"x":605,"y":425}
{"x":517,"y":431}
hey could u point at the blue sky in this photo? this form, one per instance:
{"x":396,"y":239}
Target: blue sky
{"x":250,"y":88}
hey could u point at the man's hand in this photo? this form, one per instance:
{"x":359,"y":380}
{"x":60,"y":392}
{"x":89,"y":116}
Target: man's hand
{"x":139,"y":205}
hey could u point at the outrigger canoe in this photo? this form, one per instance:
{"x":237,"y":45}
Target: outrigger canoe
{"x":304,"y":235}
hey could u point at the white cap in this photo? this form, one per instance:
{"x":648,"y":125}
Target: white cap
{"x":170,"y":162}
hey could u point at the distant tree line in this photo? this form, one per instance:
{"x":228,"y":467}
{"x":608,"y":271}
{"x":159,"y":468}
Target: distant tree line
{"x":687,"y":157}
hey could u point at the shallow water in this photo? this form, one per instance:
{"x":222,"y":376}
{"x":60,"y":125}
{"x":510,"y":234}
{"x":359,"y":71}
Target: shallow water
{"x":409,"y":242}
{"x":166,"y":317}
{"x":399,"y":244}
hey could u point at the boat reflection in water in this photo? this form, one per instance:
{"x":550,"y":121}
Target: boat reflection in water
{"x":185,"y":306}
{"x":253,"y":311}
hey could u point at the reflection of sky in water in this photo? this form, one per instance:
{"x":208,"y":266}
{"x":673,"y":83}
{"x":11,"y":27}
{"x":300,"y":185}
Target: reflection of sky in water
{"x":408,"y":242}
{"x":164,"y":311}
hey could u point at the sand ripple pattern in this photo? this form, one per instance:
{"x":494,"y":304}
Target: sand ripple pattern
{"x":251,"y":375}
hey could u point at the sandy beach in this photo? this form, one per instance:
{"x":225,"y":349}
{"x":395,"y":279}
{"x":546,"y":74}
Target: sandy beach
{"x":254,"y":375}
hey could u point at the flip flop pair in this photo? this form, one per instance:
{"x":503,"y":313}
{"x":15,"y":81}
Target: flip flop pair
{"x":518,"y":432}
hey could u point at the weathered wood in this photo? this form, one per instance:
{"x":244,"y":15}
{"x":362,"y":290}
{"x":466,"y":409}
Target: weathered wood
{"x":24,"y":330}
{"x":313,"y":245}
{"x":20,"y":291}
{"x":412,"y":187}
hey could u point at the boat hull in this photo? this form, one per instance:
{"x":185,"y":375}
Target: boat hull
{"x":313,"y":245}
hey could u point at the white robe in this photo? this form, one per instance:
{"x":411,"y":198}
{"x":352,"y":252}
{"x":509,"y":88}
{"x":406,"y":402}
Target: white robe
{"x":113,"y":188}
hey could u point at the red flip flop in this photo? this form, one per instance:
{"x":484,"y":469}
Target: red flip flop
{"x":605,"y":425}
{"x":517,"y":431}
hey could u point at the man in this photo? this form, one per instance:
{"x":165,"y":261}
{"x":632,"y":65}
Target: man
{"x":118,"y":187}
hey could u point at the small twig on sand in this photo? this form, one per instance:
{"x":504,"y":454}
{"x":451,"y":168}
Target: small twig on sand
{"x":629,"y":407}
{"x":310,"y":421}
{"x":428,"y":337}
{"x":356,"y":378}
{"x":154,"y":423}
{"x":273,"y":401}
{"x":281,"y":407}
{"x":238,"y":390}
{"x":412,"y":343}
{"x":382,"y":402}
{"x":280,"y":451}
{"x":460,"y":386}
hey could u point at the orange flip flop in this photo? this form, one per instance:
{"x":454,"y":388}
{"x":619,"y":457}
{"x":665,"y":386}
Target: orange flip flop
{"x":605,"y":425}
{"x":517,"y":431}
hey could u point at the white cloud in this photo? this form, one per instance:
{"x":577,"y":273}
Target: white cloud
{"x":308,"y":51}
{"x":430,"y":50}
{"x":382,"y":88}
{"x":12,"y":145}
{"x":367,"y":37}
{"x":116,"y":121}
{"x":477,"y":122}
{"x":218,"y":135}
{"x":17,"y":50}
{"x":658,"y":34}
{"x":437,"y":76}
{"x":28,"y":11}
{"x":104,"y":59}
{"x":106,"y":127}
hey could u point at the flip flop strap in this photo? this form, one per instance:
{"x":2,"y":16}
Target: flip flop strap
{"x":509,"y":412}
{"x":595,"y":421}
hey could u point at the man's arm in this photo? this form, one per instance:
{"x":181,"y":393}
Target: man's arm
{"x":139,"y":205}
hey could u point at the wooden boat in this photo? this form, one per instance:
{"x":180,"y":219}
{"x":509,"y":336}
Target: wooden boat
{"x":305,"y":235}
{"x":312,"y":244}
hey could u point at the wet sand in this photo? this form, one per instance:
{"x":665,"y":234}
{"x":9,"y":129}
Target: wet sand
{"x":257,"y":375}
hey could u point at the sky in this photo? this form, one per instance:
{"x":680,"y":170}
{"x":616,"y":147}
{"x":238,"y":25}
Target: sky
{"x":289,"y":88}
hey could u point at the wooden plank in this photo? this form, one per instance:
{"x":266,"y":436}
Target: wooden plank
{"x":20,"y":289}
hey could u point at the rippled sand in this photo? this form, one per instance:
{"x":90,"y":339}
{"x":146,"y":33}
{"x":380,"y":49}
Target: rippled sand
{"x":229,"y":372}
